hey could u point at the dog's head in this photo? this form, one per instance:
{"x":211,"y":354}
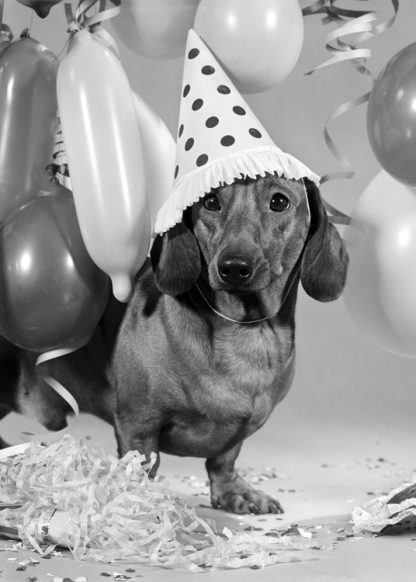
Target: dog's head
{"x":254,"y":236}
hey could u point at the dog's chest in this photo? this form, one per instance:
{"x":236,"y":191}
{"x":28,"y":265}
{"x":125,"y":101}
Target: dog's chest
{"x":246,"y":372}
{"x":233,"y":384}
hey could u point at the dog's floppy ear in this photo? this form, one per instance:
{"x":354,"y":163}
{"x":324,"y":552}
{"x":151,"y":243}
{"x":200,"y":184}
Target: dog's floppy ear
{"x":325,"y":260}
{"x":176,"y":260}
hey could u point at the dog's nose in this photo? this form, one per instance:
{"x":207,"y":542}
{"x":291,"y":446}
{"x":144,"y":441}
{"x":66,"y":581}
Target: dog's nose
{"x":235,"y":270}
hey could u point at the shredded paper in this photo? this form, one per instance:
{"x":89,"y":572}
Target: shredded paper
{"x":388,"y":514}
{"x":75,"y":495}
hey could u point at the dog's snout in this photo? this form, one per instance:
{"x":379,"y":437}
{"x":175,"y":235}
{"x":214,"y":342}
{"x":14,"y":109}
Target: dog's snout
{"x":235,"y":270}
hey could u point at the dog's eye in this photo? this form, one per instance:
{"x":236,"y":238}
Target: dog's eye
{"x":279,"y":202}
{"x":212,"y":203}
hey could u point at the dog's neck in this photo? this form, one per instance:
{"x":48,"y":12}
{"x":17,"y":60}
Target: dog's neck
{"x":244,"y":309}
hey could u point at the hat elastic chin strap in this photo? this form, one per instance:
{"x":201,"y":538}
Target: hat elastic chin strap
{"x":294,"y":275}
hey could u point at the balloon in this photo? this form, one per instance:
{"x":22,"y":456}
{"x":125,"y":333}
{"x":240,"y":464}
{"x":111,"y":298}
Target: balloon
{"x":258,"y":43}
{"x":155,"y":28}
{"x":105,"y":161}
{"x":159,"y":152}
{"x":51,"y":293}
{"x":28,"y":120}
{"x":41,"y":7}
{"x":391,"y":116}
{"x":381,"y":284}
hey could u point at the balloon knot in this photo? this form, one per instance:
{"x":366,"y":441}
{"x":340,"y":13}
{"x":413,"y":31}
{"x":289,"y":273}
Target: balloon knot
{"x":74,"y":27}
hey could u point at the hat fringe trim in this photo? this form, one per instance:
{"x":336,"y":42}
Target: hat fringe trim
{"x":247,"y":164}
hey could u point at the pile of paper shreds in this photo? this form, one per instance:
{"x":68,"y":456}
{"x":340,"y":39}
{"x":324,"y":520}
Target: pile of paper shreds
{"x":387,"y":514}
{"x":73,"y":494}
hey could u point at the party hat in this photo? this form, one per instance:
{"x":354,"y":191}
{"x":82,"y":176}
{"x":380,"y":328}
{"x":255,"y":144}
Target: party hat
{"x":219,"y":137}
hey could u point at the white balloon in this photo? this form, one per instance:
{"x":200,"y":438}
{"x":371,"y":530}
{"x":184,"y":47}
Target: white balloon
{"x":159,"y":151}
{"x":105,"y":160}
{"x":380,"y":293}
{"x":257,"y":42}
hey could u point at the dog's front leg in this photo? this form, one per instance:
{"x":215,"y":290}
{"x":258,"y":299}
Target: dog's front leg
{"x":231,"y":492}
{"x":135,"y":434}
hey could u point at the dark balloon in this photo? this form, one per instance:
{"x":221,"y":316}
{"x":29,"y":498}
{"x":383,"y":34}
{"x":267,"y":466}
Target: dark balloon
{"x":41,"y":7}
{"x":28,"y":121}
{"x":52,"y":295}
{"x":391,"y":116}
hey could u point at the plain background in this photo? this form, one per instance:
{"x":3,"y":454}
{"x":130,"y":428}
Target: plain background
{"x":350,"y":400}
{"x":342,"y":377}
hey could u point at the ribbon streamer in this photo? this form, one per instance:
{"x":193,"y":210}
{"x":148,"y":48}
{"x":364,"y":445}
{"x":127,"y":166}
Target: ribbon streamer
{"x":54,"y":384}
{"x":363,"y":27}
{"x":317,"y":7}
{"x":59,"y":389}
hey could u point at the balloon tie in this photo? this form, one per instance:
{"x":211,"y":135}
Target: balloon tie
{"x":81,"y":20}
{"x":361,"y":24}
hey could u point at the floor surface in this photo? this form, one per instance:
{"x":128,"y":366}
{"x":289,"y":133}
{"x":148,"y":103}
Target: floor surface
{"x":318,"y":480}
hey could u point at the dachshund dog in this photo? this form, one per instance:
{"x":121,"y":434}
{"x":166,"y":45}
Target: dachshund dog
{"x":205,"y":349}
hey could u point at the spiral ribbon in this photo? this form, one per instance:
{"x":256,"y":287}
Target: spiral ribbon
{"x":361,"y":24}
{"x":59,"y":389}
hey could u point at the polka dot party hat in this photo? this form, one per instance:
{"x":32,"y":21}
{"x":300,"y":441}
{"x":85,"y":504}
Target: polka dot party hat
{"x":219,"y":137}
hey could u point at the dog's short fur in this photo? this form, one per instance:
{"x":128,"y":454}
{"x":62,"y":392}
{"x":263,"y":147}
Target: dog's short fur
{"x":171,"y":374}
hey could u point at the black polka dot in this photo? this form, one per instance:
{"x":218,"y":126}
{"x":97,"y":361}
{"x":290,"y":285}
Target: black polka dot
{"x":180,"y":132}
{"x":227,"y":140}
{"x":197,"y":104}
{"x":201,"y":160}
{"x":176,"y":171}
{"x":212,"y":121}
{"x":207,"y":70}
{"x":193,"y":53}
{"x":223,"y":89}
{"x":189,"y":143}
{"x":254,"y":132}
{"x":239,"y":110}
{"x":186,"y":90}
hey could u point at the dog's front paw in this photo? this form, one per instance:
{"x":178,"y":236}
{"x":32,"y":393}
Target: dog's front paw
{"x":239,"y":497}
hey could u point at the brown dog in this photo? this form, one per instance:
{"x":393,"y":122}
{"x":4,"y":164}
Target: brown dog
{"x":197,"y":360}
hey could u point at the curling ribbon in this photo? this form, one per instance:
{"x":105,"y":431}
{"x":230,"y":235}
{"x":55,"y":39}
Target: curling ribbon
{"x":54,"y":384}
{"x":317,"y":7}
{"x":59,"y":389}
{"x":363,"y":27}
